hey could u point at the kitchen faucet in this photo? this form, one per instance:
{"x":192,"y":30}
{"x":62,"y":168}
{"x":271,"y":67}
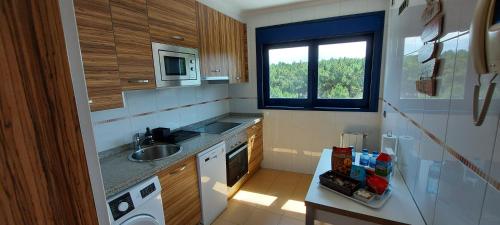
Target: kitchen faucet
{"x":146,"y":139}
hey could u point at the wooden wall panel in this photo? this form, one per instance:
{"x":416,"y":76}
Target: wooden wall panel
{"x":43,"y":170}
{"x":173,"y":22}
{"x":97,"y":43}
{"x":133,"y":44}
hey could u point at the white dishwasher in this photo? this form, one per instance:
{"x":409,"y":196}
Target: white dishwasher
{"x":213,"y":184}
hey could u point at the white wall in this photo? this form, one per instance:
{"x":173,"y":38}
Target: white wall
{"x":293,"y":140}
{"x":451,"y":167}
{"x":170,"y":107}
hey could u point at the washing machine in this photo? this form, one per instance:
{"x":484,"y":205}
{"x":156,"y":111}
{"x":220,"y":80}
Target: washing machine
{"x":139,"y":205}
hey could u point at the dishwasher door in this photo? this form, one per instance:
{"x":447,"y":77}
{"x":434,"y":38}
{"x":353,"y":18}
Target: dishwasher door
{"x":212,"y":180}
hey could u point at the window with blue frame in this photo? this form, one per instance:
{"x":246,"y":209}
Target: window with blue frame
{"x":328,"y":64}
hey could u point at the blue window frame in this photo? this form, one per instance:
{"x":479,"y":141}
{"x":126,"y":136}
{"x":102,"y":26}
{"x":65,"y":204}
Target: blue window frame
{"x":306,"y":44}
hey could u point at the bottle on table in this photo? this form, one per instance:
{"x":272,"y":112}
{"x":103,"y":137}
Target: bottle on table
{"x":373,"y":159}
{"x":364,"y":160}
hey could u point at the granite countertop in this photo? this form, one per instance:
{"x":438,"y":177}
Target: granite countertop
{"x":119,"y":173}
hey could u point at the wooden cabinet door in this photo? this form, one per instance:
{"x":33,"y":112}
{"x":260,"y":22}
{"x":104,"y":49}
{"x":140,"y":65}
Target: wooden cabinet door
{"x":238,"y":52}
{"x":243,"y":50}
{"x":255,"y":147}
{"x":180,"y":193}
{"x":230,"y":46}
{"x":97,"y":45}
{"x":211,"y":42}
{"x":173,"y":22}
{"x":133,"y":44}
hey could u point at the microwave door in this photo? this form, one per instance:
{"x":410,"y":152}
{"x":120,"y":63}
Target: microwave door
{"x":173,"y":66}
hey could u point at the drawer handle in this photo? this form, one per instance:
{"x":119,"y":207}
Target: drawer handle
{"x":182,"y":168}
{"x":138,"y":81}
{"x":177,"y":37}
{"x":216,"y":70}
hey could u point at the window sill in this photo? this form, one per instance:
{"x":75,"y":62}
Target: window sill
{"x":341,"y":109}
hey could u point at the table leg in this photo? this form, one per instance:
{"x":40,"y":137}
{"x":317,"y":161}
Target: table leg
{"x":310,"y":214}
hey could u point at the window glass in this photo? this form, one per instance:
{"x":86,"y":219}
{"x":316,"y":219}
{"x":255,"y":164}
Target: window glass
{"x":288,"y":72}
{"x":341,"y":70}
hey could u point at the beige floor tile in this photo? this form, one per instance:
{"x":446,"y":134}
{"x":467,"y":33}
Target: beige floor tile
{"x":263,"y":217}
{"x":237,"y":212}
{"x":286,"y":220}
{"x":220,"y":221}
{"x":286,"y":186}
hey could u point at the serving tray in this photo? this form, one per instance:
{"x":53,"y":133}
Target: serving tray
{"x":375,"y":203}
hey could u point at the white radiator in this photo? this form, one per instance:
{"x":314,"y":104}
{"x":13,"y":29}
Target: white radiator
{"x":353,"y":139}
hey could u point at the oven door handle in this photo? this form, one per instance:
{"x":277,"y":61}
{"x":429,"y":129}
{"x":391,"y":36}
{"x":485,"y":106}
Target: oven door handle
{"x":238,"y":151}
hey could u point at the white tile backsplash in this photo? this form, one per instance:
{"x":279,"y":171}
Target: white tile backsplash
{"x":147,"y":108}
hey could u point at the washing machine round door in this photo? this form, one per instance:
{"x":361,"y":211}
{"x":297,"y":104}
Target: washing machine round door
{"x":141,"y":220}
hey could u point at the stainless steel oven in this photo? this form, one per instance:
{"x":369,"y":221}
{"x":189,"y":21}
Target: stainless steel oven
{"x":175,"y":65}
{"x":236,"y":158}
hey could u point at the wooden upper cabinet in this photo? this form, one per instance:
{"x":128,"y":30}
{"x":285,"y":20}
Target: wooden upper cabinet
{"x":210,"y":24}
{"x":95,"y":30}
{"x":180,"y":193}
{"x":237,"y":52}
{"x":222,"y":45}
{"x":173,"y":22}
{"x":133,"y":44}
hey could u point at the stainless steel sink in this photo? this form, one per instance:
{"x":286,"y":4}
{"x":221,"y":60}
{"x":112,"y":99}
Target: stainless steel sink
{"x":154,"y":152}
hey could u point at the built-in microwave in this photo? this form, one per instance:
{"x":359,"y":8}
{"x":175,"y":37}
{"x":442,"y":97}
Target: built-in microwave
{"x":176,"y":66}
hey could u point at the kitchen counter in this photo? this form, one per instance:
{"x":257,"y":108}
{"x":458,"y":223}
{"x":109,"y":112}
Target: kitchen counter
{"x":327,"y":206}
{"x":119,"y":173}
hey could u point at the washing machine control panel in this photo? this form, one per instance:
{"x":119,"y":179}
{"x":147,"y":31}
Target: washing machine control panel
{"x":121,"y":205}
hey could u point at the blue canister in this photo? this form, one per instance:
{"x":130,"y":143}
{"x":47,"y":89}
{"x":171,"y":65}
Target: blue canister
{"x":364,"y":160}
{"x":373,"y":159}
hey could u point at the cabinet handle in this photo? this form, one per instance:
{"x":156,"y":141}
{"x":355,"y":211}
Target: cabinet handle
{"x":180,"y":169}
{"x":91,"y":101}
{"x":138,"y":81}
{"x":238,"y":78}
{"x":177,"y":37}
{"x":216,"y":70}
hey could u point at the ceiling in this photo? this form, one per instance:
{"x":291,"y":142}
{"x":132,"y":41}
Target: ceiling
{"x":248,"y":5}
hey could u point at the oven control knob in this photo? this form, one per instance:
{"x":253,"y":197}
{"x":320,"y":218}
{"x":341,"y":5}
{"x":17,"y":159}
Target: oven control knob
{"x":191,"y":61}
{"x":123,"y":206}
{"x":192,"y":68}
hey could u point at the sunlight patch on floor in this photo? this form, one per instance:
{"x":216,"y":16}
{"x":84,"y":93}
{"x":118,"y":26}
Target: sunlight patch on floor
{"x":294,"y":206}
{"x":256,"y":198}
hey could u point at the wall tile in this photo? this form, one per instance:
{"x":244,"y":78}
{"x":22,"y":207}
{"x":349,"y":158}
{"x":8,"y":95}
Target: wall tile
{"x":169,"y":119}
{"x":167,"y":98}
{"x":473,"y":142}
{"x":460,"y":194}
{"x":427,"y":177}
{"x":140,"y":123}
{"x":140,"y":101}
{"x":491,"y":206}
{"x":113,"y":134}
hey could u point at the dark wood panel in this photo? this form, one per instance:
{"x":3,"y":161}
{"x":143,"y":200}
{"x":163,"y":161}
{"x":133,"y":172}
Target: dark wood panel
{"x":97,"y":43}
{"x":180,"y":193}
{"x":133,"y":44}
{"x":43,"y":170}
{"x":173,"y":22}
